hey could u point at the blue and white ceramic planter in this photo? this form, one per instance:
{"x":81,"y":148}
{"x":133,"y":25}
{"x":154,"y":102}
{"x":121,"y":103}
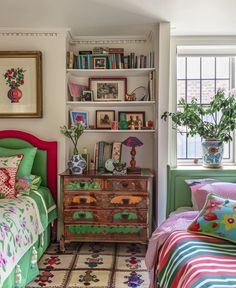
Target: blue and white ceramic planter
{"x":212,"y":153}
{"x":77,"y":164}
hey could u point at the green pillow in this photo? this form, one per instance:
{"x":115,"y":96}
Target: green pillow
{"x":26,"y":163}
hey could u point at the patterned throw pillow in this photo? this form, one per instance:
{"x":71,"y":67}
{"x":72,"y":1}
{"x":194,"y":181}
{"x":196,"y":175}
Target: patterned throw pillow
{"x":27,"y":183}
{"x":8,"y":170}
{"x":217,"y":218}
{"x":195,"y":185}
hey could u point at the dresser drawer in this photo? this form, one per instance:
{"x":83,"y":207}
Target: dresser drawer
{"x":110,"y":233}
{"x":106,"y":216}
{"x":126,"y":184}
{"x":105,"y":200}
{"x":78,"y":184}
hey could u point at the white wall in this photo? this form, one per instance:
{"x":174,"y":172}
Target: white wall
{"x":53,"y":48}
{"x":163,"y":105}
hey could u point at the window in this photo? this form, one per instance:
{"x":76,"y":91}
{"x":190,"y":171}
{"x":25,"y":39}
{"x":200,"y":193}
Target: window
{"x":200,"y":77}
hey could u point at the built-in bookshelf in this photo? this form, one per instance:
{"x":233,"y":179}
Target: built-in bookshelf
{"x":138,"y":73}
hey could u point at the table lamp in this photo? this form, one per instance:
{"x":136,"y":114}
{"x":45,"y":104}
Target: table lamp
{"x":133,"y":142}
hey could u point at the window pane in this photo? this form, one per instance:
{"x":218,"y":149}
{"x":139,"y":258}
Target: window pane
{"x":222,"y":67}
{"x":193,"y":68}
{"x":181,"y":84}
{"x":181,"y":68}
{"x":204,"y":75}
{"x":226,"y":150}
{"x":194,"y":147}
{"x":193,"y":90}
{"x":208,"y":67}
{"x":181,"y":146}
{"x":222,"y":84}
{"x":208,"y":90}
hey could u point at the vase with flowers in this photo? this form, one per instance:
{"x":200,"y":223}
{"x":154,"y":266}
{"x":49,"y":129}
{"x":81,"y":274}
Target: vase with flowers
{"x":77,"y":164}
{"x":14,"y":79}
{"x":214,"y":123}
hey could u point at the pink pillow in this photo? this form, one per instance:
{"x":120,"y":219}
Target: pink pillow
{"x":222,"y":189}
{"x":8,"y":170}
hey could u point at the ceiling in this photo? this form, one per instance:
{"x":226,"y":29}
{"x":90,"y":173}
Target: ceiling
{"x":122,"y":17}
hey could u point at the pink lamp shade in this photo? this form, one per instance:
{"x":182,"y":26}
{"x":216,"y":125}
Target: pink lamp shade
{"x":133,"y":142}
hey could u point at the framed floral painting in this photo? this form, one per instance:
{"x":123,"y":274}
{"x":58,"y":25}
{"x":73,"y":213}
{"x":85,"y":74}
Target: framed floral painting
{"x":20,"y":84}
{"x":79,"y":116}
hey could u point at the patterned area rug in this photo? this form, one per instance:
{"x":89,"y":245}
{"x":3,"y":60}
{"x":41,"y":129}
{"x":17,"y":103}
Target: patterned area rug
{"x":93,"y":265}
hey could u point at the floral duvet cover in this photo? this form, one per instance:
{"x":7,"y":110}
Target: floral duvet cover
{"x":20,"y":227}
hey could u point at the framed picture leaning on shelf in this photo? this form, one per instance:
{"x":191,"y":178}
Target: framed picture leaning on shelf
{"x":108,"y":88}
{"x":87,"y":95}
{"x":77,"y":116}
{"x":133,"y":116}
{"x":104,"y":119}
{"x":100,"y":62}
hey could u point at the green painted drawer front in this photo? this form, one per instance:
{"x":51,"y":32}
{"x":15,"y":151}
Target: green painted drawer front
{"x":75,"y":184}
{"x":106,"y":216}
{"x":113,"y":233}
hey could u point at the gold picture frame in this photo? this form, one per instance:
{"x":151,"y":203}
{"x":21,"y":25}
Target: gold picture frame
{"x":21,"y":84}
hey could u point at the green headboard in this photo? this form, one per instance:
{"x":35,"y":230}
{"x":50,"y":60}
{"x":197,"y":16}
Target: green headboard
{"x":40,"y":162}
{"x":45,"y":163}
{"x":178,"y":193}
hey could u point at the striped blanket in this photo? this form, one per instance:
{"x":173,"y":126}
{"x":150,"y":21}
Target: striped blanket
{"x":196,"y":261}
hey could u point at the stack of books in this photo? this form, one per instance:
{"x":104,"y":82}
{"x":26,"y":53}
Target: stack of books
{"x":114,"y":59}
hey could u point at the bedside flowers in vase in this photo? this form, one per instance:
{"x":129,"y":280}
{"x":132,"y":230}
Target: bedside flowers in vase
{"x":77,"y":163}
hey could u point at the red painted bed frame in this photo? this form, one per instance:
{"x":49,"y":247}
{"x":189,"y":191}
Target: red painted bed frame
{"x":51,"y":148}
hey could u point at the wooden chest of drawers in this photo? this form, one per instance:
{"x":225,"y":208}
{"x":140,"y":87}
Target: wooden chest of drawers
{"x":107,"y":208}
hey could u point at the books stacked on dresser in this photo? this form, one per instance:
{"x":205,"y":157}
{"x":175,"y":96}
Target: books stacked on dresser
{"x":104,"y":151}
{"x":108,"y":58}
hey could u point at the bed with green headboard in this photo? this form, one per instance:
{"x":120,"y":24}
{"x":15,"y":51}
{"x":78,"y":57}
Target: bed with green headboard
{"x":45,"y":166}
{"x":178,"y":192}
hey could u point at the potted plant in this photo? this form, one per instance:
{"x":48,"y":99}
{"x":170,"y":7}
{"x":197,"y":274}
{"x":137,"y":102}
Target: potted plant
{"x":77,"y":163}
{"x":192,"y":120}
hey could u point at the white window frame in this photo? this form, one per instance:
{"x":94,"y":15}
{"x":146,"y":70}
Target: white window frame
{"x":193,"y":41}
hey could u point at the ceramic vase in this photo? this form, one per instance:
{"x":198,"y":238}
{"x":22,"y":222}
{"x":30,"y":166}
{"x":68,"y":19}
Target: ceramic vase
{"x":14,"y":94}
{"x":77,"y":164}
{"x":212,"y":153}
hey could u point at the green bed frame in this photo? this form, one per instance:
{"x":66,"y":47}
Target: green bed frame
{"x":178,"y":192}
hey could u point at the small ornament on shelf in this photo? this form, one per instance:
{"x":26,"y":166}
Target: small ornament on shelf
{"x":119,"y":168}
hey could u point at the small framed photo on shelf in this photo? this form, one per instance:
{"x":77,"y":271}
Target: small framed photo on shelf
{"x":133,"y":116}
{"x":104,"y":119}
{"x":116,"y":151}
{"x":108,"y":89}
{"x":77,"y":116}
{"x":99,"y":62}
{"x":87,"y":95}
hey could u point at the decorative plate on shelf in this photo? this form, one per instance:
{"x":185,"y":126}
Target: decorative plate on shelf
{"x":109,"y":165}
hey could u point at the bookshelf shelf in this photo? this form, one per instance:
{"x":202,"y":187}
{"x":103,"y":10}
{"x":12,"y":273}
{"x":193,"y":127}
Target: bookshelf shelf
{"x":118,"y":131}
{"x":110,"y":104}
{"x":110,"y":72}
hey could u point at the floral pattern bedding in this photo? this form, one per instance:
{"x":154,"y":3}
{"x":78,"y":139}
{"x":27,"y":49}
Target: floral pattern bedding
{"x":20,"y":227}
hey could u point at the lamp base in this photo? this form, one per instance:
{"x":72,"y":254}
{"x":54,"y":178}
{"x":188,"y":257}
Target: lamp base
{"x":136,"y":170}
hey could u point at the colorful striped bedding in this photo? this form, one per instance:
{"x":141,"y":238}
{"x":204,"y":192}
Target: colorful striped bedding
{"x":196,"y":261}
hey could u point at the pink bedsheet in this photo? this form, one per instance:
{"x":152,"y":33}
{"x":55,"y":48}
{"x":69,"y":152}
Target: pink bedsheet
{"x":178,"y":221}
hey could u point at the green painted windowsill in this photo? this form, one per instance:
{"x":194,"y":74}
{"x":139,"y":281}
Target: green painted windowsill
{"x":201,"y":168}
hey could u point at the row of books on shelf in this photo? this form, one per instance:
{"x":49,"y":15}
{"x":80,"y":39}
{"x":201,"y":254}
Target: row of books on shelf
{"x":104,"y":151}
{"x":115,"y":59}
